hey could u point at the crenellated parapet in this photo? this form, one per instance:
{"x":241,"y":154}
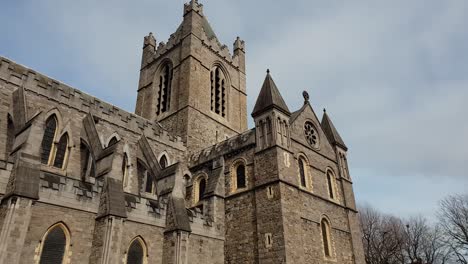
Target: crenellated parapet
{"x":63,"y":94}
{"x":230,"y":146}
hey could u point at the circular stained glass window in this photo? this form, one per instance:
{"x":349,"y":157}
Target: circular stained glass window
{"x":311,"y":134}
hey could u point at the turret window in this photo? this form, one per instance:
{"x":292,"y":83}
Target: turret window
{"x":218,"y":91}
{"x":165,"y":89}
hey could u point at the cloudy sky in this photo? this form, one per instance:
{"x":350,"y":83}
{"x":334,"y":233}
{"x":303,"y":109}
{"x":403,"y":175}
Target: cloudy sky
{"x":393,"y":75}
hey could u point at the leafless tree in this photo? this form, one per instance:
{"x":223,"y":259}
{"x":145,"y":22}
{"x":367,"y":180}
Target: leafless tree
{"x":382,"y":237}
{"x":453,"y":216}
{"x":423,"y":243}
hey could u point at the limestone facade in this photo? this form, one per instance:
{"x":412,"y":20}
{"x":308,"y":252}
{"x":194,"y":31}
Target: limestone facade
{"x":180,"y":181}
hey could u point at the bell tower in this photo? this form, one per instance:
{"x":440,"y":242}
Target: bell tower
{"x":192,"y":85}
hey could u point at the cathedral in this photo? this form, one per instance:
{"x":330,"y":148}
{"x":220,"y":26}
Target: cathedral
{"x":183,"y":180}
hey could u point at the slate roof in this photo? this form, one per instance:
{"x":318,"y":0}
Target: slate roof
{"x":331,"y":132}
{"x":269,"y":97}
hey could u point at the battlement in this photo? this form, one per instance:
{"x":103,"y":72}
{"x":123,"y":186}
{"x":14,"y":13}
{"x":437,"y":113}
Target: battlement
{"x":193,"y":5}
{"x":59,"y":92}
{"x":230,"y":145}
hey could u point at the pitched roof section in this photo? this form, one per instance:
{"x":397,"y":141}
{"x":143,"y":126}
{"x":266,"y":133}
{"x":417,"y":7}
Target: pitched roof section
{"x":331,"y":132}
{"x":208,"y":29}
{"x":269,"y":97}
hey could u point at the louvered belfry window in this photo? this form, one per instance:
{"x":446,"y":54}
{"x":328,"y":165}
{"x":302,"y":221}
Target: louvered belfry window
{"x":218,"y":92}
{"x":135,"y":253}
{"x":164,"y":91}
{"x":48,"y":139}
{"x":53,"y":249}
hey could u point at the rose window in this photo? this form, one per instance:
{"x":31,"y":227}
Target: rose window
{"x":311,"y":134}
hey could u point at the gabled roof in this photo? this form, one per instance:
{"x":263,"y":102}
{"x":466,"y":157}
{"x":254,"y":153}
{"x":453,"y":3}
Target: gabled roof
{"x":269,"y":98}
{"x":331,"y":132}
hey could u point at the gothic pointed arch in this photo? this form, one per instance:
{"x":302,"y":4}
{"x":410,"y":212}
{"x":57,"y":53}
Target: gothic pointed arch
{"x":164,"y":87}
{"x":47,"y":145}
{"x":113,"y":139}
{"x":61,"y":152}
{"x":331,"y":184}
{"x":238,"y":175}
{"x":325,"y":230}
{"x":304,"y":175}
{"x":137,"y":252}
{"x":219,"y":79}
{"x":55,"y":245}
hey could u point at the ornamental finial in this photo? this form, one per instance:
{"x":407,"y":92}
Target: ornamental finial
{"x":305,"y":94}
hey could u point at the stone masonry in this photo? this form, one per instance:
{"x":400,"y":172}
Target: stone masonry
{"x":183,"y":180}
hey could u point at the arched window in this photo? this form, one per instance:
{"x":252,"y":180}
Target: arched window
{"x":112,"y":141}
{"x":61,"y":151}
{"x":47,"y":144}
{"x":326,"y":237}
{"x":137,"y":252}
{"x":54,"y":245}
{"x":163,"y":162}
{"x":125,"y":170}
{"x":149,"y":183}
{"x":164,"y":91}
{"x":302,"y":172}
{"x":201,"y":188}
{"x":268,"y":137}
{"x":330,"y":184}
{"x":10,"y":136}
{"x":240,"y":177}
{"x":218,"y":91}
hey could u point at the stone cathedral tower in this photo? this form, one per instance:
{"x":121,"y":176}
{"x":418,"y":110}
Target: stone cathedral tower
{"x":180,"y":181}
{"x":192,"y":85}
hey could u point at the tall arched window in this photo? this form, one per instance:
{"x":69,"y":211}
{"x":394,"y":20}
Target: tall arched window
{"x":137,"y":252}
{"x":163,"y":162}
{"x":125,"y":170}
{"x":326,"y":237}
{"x":10,"y":136}
{"x":164,"y":91}
{"x":240,"y":177}
{"x":302,"y":172}
{"x":54,"y":245}
{"x":218,"y":91}
{"x":61,"y":151}
{"x":330,"y":184}
{"x":201,"y":188}
{"x":268,"y":137}
{"x":47,"y":144}
{"x":149,"y":183}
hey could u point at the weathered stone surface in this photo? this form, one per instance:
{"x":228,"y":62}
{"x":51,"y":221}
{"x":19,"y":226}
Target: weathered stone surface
{"x":117,"y":192}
